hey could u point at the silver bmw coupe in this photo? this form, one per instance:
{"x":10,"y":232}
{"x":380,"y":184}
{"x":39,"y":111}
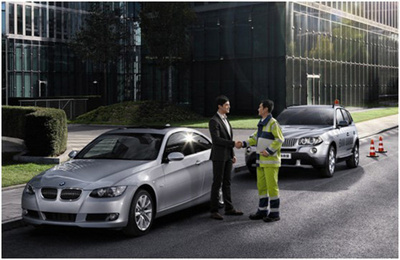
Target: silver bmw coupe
{"x":123,"y":179}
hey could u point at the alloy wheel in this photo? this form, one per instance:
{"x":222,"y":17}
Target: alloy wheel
{"x":143,"y":212}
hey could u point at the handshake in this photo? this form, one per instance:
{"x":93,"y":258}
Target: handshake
{"x":238,"y":144}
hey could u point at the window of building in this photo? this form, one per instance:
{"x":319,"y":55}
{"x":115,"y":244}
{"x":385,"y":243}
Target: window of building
{"x":19,"y":19}
{"x":11,"y":18}
{"x":51,"y":23}
{"x":28,"y":20}
{"x":36,"y":21}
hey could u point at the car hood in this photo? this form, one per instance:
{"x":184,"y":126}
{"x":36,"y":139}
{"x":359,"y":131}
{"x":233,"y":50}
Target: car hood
{"x":89,"y":173}
{"x":298,"y":131}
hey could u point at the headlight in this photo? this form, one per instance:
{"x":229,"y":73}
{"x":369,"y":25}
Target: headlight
{"x":108,"y":192}
{"x":29,"y":189}
{"x":310,"y":141}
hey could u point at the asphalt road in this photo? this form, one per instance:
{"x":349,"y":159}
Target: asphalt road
{"x":352,"y":215}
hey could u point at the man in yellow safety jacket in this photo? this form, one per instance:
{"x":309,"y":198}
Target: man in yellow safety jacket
{"x":268,"y":139}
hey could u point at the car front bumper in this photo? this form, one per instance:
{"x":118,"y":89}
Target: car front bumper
{"x":85,"y":212}
{"x":301,"y":156}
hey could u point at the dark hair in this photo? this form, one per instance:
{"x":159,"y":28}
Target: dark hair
{"x":221,"y":100}
{"x":268,"y":104}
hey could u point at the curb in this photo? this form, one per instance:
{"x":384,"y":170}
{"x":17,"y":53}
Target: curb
{"x":13,"y":224}
{"x":382,"y":131}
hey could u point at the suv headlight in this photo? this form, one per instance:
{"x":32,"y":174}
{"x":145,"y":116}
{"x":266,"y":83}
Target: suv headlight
{"x":29,"y":189}
{"x":108,"y":192}
{"x":310,"y":140}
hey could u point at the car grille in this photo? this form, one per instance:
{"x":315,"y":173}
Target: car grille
{"x":49,"y":193}
{"x":66,"y":194}
{"x":61,"y":217}
{"x":289,"y":142}
{"x":70,"y":194}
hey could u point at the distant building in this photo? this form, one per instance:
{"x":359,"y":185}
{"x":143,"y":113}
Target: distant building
{"x":290,"y":52}
{"x":37,"y":63}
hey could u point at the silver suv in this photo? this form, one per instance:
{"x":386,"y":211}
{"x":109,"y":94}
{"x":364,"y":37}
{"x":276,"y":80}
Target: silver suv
{"x":318,"y":136}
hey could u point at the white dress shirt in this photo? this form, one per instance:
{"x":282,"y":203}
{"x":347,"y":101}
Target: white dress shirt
{"x":224,"y":119}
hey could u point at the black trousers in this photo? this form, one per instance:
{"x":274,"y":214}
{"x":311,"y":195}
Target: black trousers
{"x":222,"y":175}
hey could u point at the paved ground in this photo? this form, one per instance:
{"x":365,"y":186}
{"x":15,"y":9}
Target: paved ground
{"x":80,"y":135}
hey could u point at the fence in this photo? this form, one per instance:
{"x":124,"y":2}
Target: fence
{"x":72,"y":107}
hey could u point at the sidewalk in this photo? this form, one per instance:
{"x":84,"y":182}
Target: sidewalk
{"x":11,"y":197}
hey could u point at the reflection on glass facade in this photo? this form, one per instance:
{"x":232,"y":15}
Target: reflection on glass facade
{"x":290,"y":52}
{"x":37,"y":62}
{"x":341,"y":50}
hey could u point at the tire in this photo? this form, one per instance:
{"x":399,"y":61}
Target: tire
{"x":252,"y":161}
{"x":141,"y":214}
{"x":355,"y":158}
{"x":330,"y":163}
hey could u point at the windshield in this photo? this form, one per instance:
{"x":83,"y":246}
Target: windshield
{"x":306,"y":116}
{"x":140,"y":146}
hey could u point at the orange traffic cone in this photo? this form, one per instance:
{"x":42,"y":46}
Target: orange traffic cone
{"x":380,"y":148}
{"x":372,"y":150}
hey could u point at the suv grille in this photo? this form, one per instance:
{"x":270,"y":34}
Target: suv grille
{"x":289,"y":142}
{"x":70,"y":194}
{"x":49,"y":193}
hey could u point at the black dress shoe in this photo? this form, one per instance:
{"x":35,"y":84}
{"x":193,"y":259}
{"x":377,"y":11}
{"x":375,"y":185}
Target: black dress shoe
{"x":256,"y":216}
{"x":269,"y":219}
{"x":216,"y":215}
{"x":233,"y":212}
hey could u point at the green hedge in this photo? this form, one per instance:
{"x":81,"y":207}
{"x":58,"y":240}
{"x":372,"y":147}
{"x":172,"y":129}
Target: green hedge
{"x":13,"y":120}
{"x":44,"y":129}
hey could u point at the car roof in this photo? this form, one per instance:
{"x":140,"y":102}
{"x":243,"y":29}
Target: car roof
{"x":163,"y":130}
{"x":315,"y":106}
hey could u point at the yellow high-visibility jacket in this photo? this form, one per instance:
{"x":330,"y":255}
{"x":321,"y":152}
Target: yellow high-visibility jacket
{"x":268,"y":137}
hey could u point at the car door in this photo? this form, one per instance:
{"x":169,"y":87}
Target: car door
{"x":182,"y":178}
{"x":202,"y":149}
{"x":342,"y":134}
{"x":350,"y":131}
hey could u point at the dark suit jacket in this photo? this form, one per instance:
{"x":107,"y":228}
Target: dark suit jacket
{"x":222,"y":147}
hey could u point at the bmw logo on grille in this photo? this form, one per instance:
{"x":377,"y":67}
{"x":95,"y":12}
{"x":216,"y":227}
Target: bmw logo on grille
{"x":62,"y":183}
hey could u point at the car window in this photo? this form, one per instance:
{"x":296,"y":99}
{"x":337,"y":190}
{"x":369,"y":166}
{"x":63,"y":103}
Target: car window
{"x":306,"y":116}
{"x":123,"y":147}
{"x":187,"y":143}
{"x":349,"y":116}
{"x":339,"y":116}
{"x":346,"y":116}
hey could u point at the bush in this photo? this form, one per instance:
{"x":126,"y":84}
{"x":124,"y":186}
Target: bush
{"x":13,"y":119}
{"x":138,"y":113}
{"x":47,"y":132}
{"x":158,"y":112}
{"x":44,"y":130}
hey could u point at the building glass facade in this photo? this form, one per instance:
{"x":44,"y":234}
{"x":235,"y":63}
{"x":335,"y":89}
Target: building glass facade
{"x":290,"y":52}
{"x":37,"y":61}
{"x":341,"y":50}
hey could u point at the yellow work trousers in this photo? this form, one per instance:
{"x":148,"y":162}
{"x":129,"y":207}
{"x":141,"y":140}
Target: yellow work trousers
{"x":267,"y":181}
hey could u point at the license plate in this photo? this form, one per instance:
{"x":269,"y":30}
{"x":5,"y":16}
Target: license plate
{"x":286,"y":156}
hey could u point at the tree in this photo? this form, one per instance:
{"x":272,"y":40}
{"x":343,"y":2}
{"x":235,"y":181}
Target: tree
{"x":165,"y":35}
{"x":101,"y":39}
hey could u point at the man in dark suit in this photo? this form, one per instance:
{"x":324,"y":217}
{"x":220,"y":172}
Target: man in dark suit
{"x":223,"y":157}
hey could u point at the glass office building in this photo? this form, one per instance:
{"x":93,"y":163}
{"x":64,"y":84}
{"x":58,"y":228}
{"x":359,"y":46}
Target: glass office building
{"x":290,"y":52}
{"x":341,"y":50}
{"x":37,"y":62}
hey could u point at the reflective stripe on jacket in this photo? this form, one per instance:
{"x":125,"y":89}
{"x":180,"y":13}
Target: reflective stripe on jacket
{"x":268,"y":137}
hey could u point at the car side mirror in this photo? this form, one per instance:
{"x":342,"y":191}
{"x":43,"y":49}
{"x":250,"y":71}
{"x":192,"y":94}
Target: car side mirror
{"x":175,"y":156}
{"x":72,"y":154}
{"x":343,"y":124}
